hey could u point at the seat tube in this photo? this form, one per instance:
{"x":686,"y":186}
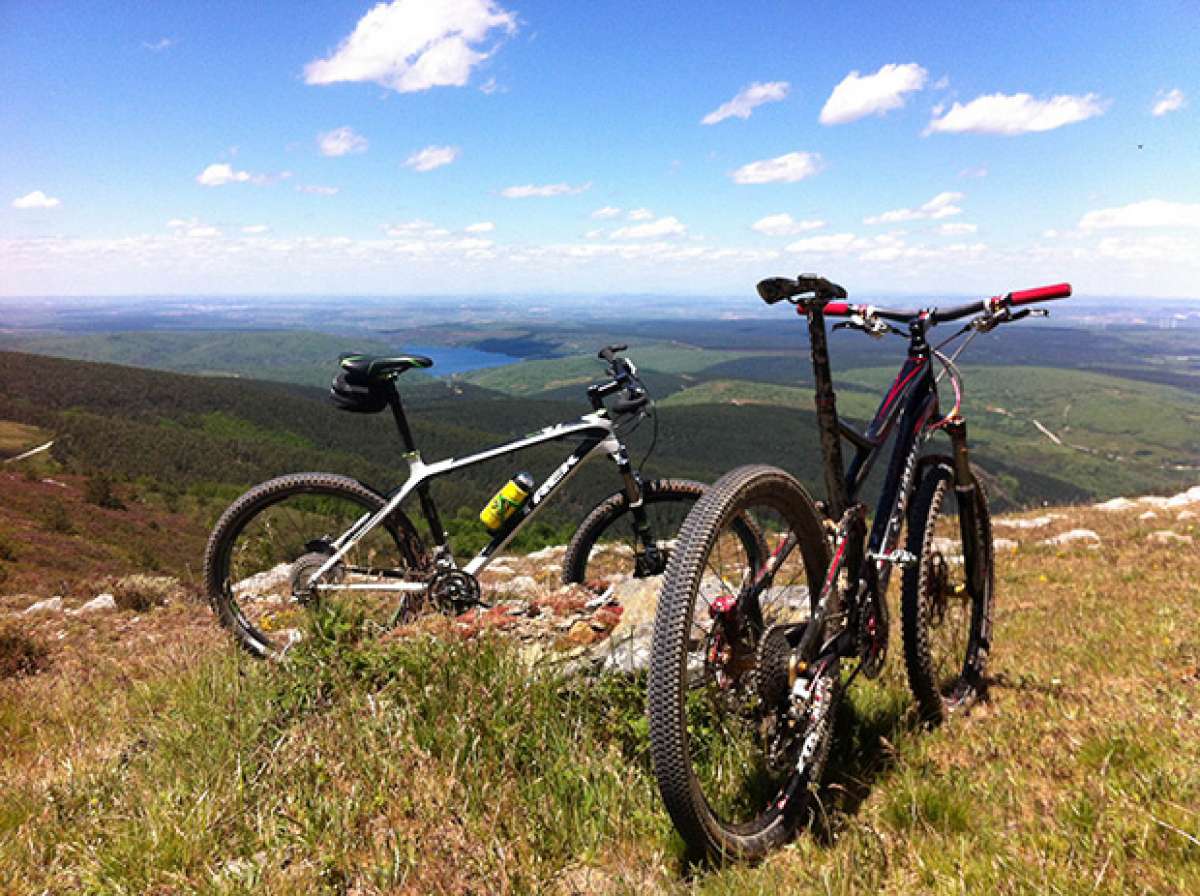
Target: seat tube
{"x":827,"y":419}
{"x":428,"y":507}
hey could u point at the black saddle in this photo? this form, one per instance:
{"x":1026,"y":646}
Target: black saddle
{"x":365,"y":369}
{"x":365,"y":385}
{"x":776,"y":289}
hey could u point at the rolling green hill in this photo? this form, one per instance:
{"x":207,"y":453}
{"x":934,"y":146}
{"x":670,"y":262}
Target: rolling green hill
{"x":289,"y":356}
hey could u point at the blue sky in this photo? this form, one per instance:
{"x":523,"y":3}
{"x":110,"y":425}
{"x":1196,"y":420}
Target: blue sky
{"x":480,"y":147}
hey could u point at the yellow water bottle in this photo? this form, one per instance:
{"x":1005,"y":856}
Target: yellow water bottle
{"x":506,"y":502}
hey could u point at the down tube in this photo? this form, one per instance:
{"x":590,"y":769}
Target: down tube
{"x":534,"y":504}
{"x":898,"y":483}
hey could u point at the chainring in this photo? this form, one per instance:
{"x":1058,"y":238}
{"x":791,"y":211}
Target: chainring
{"x":873,"y":626}
{"x":453,"y":591}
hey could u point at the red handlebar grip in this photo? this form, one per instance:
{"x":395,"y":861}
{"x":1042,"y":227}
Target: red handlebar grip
{"x":1041,"y":294}
{"x":838,"y":309}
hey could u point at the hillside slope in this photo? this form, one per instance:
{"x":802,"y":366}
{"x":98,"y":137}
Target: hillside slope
{"x":150,"y":756}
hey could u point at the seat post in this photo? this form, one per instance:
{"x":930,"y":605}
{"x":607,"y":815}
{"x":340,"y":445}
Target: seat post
{"x":394,"y":403}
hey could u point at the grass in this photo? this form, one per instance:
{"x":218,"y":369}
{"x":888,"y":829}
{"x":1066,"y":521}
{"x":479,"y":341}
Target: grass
{"x":16,"y":438}
{"x":153,"y":758}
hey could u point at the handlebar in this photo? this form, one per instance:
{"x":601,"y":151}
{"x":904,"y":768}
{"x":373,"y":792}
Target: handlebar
{"x":940,"y":315}
{"x":624,"y":377}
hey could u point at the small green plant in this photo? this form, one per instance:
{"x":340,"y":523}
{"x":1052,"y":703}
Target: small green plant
{"x":20,"y":654}
{"x":141,"y":593}
{"x":56,"y":519}
{"x":98,"y":490}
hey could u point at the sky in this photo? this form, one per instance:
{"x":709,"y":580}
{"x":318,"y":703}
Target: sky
{"x":475,"y":147}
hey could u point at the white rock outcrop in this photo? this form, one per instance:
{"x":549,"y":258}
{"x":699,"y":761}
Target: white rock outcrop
{"x":49,"y":605}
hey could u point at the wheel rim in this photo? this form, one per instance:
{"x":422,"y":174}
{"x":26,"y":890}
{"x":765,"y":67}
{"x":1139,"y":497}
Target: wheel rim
{"x":949,"y":606}
{"x":740,"y":756}
{"x":270,"y":561}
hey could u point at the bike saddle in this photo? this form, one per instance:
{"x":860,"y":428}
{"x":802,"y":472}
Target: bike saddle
{"x":368,"y":368}
{"x":776,"y":289}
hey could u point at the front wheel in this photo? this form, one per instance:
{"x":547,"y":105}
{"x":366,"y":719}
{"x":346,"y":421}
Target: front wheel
{"x":607,"y":543}
{"x":264,"y":553}
{"x":946,"y":607}
{"x":734,"y":753}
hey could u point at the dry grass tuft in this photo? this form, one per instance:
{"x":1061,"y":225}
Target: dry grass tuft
{"x":20,"y":654}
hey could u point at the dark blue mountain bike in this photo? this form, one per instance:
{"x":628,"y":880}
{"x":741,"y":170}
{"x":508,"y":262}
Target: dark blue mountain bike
{"x":750,"y":657}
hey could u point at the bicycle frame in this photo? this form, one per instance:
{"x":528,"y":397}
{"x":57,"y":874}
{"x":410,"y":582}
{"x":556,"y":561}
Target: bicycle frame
{"x":596,"y":434}
{"x":909,"y":407}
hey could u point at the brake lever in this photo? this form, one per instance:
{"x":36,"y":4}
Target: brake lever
{"x":872,"y":326}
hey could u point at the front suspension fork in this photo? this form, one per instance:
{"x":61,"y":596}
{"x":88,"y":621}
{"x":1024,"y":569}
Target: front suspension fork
{"x":966,"y":491}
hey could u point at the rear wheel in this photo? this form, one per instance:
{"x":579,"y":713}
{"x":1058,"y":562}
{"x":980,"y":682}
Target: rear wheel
{"x":267,"y":547}
{"x":720,"y":688}
{"x":946,"y":608}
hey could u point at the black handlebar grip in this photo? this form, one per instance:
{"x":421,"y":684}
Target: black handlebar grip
{"x":609,"y":352}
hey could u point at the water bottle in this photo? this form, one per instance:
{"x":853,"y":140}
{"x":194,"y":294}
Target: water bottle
{"x":506,"y":502}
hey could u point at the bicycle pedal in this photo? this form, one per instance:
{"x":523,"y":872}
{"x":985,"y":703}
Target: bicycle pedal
{"x":898,"y":557}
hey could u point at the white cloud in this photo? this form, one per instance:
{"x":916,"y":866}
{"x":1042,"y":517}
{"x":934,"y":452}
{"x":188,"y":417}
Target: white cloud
{"x":418,"y":227}
{"x":977,"y":171}
{"x":640,"y":214}
{"x":858,"y":96}
{"x":341,"y":142}
{"x":787,"y":168}
{"x":749,"y":99}
{"x":431,"y":157}
{"x":255,"y":228}
{"x":36,"y":199}
{"x":221,"y":173}
{"x":832,"y":242}
{"x":607,"y":211}
{"x":192,"y":227}
{"x":1168,"y":101}
{"x":157,"y":46}
{"x":956,"y":228}
{"x":413,"y":45}
{"x":481,"y":227}
{"x":784,"y":224}
{"x":524,"y":191}
{"x":1149,"y":213}
{"x":1020,"y":113}
{"x":940,"y":206}
{"x":317,"y":190}
{"x":656,"y":229}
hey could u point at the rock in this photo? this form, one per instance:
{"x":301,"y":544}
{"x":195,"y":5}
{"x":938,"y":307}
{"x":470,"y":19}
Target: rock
{"x":627,"y":650}
{"x":100,"y":602}
{"x":264,"y":582}
{"x":1185,"y":515}
{"x":1148,"y":515}
{"x":1074,"y":535}
{"x":1116,"y":504}
{"x":638,"y":599}
{"x":1191,"y":496}
{"x":1035,"y":522}
{"x":1004,"y":544}
{"x":1166,"y":536}
{"x":581,"y":634}
{"x":518,"y":585}
{"x":553,"y":552}
{"x":49,"y":605}
{"x":1153,"y":500}
{"x":499,"y":568}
